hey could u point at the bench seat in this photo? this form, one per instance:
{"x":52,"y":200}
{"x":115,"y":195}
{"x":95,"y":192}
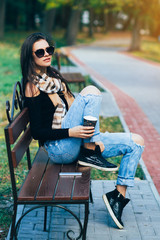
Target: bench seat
{"x":76,"y":78}
{"x":43,"y":183}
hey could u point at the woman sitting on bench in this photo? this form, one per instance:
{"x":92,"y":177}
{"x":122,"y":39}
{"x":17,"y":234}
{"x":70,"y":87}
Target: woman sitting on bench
{"x":56,"y":119}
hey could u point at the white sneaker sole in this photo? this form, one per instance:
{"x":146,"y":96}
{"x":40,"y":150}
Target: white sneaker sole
{"x":94,"y":166}
{"x":111,"y":212}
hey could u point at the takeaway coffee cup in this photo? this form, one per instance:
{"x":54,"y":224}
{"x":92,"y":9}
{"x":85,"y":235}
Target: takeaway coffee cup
{"x":89,"y":121}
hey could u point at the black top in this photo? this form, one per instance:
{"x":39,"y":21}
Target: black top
{"x":41,"y":111}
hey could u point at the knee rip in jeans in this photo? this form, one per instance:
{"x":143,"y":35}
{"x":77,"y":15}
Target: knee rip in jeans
{"x":138,"y":140}
{"x":90,"y":90}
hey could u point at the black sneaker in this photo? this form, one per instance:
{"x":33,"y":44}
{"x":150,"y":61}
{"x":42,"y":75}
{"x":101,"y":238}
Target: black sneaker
{"x":91,"y":158}
{"x":115,"y":202}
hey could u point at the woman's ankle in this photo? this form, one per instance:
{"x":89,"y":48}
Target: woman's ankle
{"x":122,"y":189}
{"x":89,"y":145}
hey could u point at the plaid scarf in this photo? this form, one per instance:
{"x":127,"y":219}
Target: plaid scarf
{"x":53,"y":86}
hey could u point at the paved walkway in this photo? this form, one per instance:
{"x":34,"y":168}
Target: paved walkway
{"x":135,"y":84}
{"x":138,"y":79}
{"x":141,"y":217}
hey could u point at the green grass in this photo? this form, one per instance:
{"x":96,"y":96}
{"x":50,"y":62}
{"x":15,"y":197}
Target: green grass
{"x":150,"y":50}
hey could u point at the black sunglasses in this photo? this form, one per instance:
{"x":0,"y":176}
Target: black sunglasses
{"x":41,"y":52}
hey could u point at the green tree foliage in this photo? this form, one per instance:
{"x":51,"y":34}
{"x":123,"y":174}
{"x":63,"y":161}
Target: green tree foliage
{"x":111,"y":5}
{"x":107,"y":11}
{"x":20,"y":14}
{"x":144,"y":13}
{"x":49,"y":4}
{"x":74,"y":21}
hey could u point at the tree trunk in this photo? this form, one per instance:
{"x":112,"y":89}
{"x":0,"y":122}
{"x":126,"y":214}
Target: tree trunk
{"x":106,"y":22}
{"x":90,"y":33}
{"x":2,"y":17}
{"x":73,"y":26}
{"x":27,"y":13}
{"x":65,"y":14}
{"x":33,"y":13}
{"x":16,"y":18}
{"x":136,"y":40}
{"x":127,"y":23}
{"x":30,"y":14}
{"x":48,"y":21}
{"x":111,"y":21}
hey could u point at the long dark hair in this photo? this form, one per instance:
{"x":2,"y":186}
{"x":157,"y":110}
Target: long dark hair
{"x":28,"y":65}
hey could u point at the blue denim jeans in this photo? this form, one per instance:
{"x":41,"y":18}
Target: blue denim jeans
{"x":66,"y":151}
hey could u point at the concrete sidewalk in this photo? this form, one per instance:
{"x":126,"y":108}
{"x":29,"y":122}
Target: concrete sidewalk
{"x":141,"y":217}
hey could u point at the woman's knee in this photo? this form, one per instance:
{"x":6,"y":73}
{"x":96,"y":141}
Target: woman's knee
{"x":138,"y":139}
{"x":90,"y":90}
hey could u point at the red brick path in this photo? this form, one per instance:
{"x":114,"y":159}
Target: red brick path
{"x":137,"y":122}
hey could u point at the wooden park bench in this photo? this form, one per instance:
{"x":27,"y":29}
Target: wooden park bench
{"x":46,"y":184}
{"x":71,"y":77}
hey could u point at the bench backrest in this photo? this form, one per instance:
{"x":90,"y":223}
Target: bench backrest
{"x":61,"y":58}
{"x":17,"y":135}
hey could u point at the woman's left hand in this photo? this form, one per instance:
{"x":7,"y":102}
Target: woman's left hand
{"x":102,"y":147}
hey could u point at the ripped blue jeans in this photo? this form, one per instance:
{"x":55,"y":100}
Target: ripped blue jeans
{"x":67,"y":150}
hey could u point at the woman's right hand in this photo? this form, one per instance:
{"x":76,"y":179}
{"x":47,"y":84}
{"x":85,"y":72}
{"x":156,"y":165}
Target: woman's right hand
{"x":81,"y":132}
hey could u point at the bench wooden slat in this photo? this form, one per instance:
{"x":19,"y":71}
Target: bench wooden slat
{"x":65,"y":184}
{"x":47,"y":188}
{"x":33,"y":180}
{"x":82,"y":185}
{"x":18,"y":126}
{"x":21,"y":147}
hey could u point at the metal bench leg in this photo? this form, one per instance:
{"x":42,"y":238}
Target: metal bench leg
{"x":45,"y":218}
{"x":91,"y":197}
{"x":85,"y":221}
{"x":13,"y":229}
{"x":90,"y":193}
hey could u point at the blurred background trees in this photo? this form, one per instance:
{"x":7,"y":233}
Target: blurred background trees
{"x":2,"y":17}
{"x":89,"y":16}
